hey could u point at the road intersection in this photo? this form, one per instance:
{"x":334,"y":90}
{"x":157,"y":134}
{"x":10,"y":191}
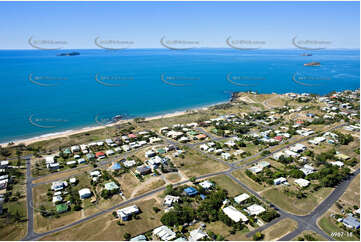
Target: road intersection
{"x":307,"y":222}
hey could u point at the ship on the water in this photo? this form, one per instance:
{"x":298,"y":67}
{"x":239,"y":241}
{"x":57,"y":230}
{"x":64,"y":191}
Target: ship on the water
{"x":306,"y":54}
{"x":312,"y":64}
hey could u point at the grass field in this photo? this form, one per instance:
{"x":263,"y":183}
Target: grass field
{"x":158,"y":182}
{"x":240,"y":174}
{"x":105,"y":227}
{"x":173,"y":177}
{"x":10,"y":230}
{"x":227,"y":183}
{"x":309,"y":232}
{"x":297,"y":206}
{"x":194,"y":159}
{"x":279,"y":229}
{"x":329,"y":225}
{"x":219,"y":227}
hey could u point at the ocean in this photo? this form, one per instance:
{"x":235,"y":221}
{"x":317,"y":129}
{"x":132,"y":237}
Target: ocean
{"x":44,"y":93}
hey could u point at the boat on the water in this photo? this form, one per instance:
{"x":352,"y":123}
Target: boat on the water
{"x":312,"y":64}
{"x":306,"y":54}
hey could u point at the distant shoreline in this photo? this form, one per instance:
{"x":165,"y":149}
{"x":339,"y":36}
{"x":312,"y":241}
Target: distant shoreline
{"x":70,"y":132}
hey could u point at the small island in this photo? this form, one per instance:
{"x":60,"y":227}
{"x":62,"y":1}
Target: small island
{"x":68,"y":54}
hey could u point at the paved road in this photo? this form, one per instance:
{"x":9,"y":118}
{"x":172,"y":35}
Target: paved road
{"x":304,"y":222}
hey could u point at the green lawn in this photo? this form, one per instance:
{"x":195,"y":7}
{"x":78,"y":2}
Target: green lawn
{"x":328,"y":225}
{"x":292,"y":204}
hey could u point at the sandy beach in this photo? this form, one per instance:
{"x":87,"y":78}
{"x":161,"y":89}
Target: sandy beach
{"x":87,"y":129}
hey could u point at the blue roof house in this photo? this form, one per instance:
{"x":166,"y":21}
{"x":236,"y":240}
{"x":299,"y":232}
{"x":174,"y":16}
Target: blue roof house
{"x":351,"y":222}
{"x":191,"y":191}
{"x":115,"y":166}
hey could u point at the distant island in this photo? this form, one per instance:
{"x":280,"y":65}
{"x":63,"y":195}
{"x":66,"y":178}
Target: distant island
{"x":68,"y":54}
{"x":312,"y":64}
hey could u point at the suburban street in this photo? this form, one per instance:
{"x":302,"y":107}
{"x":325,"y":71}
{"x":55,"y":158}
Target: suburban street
{"x":307,"y":222}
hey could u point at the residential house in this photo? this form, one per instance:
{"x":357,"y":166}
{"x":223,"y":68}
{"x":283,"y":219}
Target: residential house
{"x":234,"y":214}
{"x":255,"y":209}
{"x":125,"y":213}
{"x":164,"y":233}
{"x":241,"y":198}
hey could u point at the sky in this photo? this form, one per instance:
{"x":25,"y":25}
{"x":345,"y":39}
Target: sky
{"x":76,"y":25}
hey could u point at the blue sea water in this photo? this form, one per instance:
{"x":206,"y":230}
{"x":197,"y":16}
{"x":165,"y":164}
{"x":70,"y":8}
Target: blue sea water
{"x":43,"y":93}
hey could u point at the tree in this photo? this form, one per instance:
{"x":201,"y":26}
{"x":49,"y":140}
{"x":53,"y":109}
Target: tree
{"x":193,"y":179}
{"x":258,"y":236}
{"x":127,"y":236}
{"x":156,"y":210}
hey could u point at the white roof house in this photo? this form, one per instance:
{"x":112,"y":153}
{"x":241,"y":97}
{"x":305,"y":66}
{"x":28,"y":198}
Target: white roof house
{"x":125,"y":148}
{"x":57,"y":199}
{"x":109,"y":152}
{"x":49,"y":159}
{"x":95,"y":173}
{"x":234,"y":214}
{"x":226,"y":155}
{"x":129,"y":163}
{"x":337,"y":163}
{"x":197,"y":234}
{"x":84,"y":193}
{"x":255,"y":209}
{"x":302,"y":182}
{"x":206,"y":184}
{"x":58,"y":185}
{"x":169,"y":200}
{"x":279,"y":180}
{"x":298,"y":148}
{"x":124,"y":213}
{"x":241,"y":198}
{"x":164,"y":233}
{"x":72,"y":180}
{"x":75,"y":148}
{"x":203,"y":147}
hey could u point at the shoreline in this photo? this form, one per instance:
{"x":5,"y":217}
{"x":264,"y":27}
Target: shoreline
{"x":66,"y":133}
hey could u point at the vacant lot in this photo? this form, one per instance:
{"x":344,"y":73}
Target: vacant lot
{"x":220,"y":228}
{"x":316,"y":236}
{"x":240,"y":174}
{"x":279,"y":229}
{"x":148,"y":185}
{"x":195,"y":164}
{"x":227,"y":183}
{"x":10,"y":229}
{"x":297,"y":206}
{"x":128,"y":183}
{"x":104,"y":227}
